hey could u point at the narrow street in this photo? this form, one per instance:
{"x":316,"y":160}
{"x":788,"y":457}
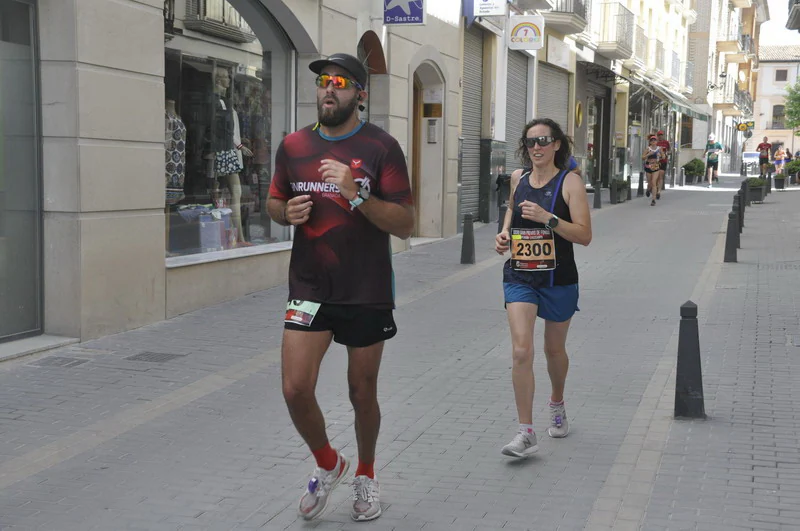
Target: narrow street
{"x":182,"y":426}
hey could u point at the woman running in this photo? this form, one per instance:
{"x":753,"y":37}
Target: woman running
{"x":652,"y":167}
{"x":550,"y":212}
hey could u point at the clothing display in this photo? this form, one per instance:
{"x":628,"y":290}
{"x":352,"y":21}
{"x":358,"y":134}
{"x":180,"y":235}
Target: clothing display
{"x":227,"y":162}
{"x":175,"y":156}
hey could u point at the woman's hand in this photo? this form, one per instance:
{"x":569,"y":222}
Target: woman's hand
{"x":502,"y":242}
{"x":534,"y":212}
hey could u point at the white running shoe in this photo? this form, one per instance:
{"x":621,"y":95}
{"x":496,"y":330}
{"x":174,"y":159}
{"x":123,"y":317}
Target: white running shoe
{"x":319,"y":489}
{"x":366,"y":499}
{"x":559,"y":426}
{"x":522,"y":445}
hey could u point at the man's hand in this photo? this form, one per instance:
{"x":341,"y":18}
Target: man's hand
{"x":534,"y":212}
{"x":339,"y":174}
{"x":246,"y":151}
{"x":298,"y":209}
{"x":502,"y":242}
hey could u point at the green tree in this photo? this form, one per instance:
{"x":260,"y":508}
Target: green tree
{"x":792,"y":109}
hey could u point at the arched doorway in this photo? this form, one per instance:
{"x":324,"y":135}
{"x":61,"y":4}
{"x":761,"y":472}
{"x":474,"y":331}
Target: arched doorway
{"x":376,"y":108}
{"x":428,"y":135}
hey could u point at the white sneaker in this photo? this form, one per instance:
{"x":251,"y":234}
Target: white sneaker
{"x":559,"y":426}
{"x":319,"y":489}
{"x":522,"y":445}
{"x":366,"y":499}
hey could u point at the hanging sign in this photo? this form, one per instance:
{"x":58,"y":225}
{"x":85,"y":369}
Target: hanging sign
{"x":525,"y":32}
{"x":404,"y":12}
{"x":490,"y":8}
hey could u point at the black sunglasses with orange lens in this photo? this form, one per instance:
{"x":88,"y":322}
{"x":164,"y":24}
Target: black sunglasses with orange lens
{"x":339,"y":82}
{"x":543,"y":141}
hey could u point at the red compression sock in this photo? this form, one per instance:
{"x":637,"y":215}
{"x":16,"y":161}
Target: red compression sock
{"x":366,"y":469}
{"x":326,"y":457}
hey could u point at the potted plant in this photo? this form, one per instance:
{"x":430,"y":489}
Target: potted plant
{"x":757,"y":189}
{"x":792,"y":169}
{"x":780,"y":181}
{"x":695,"y":168}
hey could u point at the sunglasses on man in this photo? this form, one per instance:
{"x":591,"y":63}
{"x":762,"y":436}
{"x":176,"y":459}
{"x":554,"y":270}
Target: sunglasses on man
{"x":339,"y":82}
{"x":543,"y":141}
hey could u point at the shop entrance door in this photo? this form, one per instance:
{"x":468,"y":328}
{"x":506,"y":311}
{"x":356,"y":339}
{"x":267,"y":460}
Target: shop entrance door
{"x":20,"y":189}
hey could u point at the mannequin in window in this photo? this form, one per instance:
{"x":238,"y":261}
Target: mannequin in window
{"x":175,"y":150}
{"x":227,"y":149}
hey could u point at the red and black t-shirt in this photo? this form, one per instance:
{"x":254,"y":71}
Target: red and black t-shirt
{"x":763,"y":150}
{"x":664,"y":145}
{"x":338,"y":255}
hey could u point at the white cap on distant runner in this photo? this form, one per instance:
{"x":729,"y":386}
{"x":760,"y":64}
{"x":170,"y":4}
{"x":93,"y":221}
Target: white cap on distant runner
{"x":712,"y":137}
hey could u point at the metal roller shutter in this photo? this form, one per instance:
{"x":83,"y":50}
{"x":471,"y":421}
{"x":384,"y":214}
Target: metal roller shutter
{"x":553,"y":95}
{"x":516,"y":105}
{"x":471,"y":118}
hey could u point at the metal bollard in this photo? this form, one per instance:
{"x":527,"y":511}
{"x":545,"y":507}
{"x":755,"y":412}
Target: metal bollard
{"x":468,"y":241}
{"x":731,"y":237}
{"x":683,"y":177}
{"x":768,"y":189}
{"x":598,"y":201}
{"x":672,"y":179}
{"x":740,"y":201}
{"x":689,"y":400}
{"x":640,"y":191}
{"x":629,"y":187}
{"x":736,"y":211}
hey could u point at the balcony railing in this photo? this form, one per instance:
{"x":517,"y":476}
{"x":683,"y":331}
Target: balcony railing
{"x":617,"y":31}
{"x":676,"y":68}
{"x":641,"y":45}
{"x":169,"y":16}
{"x":567,"y":16}
{"x":746,"y":43}
{"x":659,"y":56}
{"x":744,"y":101}
{"x":218,"y":18}
{"x":572,"y":7}
{"x":777,"y":124}
{"x":689,"y":75}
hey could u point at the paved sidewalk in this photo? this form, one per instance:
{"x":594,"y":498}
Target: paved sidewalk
{"x":181,"y":425}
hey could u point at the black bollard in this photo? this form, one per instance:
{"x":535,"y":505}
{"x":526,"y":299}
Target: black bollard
{"x":731,"y":237}
{"x":672,"y":179}
{"x":738,"y":213}
{"x":683,"y":177}
{"x":740,"y":201}
{"x":468,"y":241}
{"x":640,"y":191}
{"x":768,"y":189}
{"x":629,"y":187}
{"x":689,"y":402}
{"x":598,"y":201}
{"x":746,"y":192}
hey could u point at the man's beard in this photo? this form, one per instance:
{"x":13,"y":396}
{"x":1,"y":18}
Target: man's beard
{"x":336,"y":116}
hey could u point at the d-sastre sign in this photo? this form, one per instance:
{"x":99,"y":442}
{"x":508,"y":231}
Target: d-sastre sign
{"x":526,"y":32}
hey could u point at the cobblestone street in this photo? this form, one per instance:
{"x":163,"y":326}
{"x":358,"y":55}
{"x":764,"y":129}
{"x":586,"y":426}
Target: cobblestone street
{"x":182,"y":425}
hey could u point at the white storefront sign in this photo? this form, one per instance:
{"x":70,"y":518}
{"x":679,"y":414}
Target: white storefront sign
{"x":526,"y":32}
{"x":490,"y":8}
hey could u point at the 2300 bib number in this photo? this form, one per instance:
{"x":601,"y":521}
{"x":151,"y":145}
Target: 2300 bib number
{"x":533,"y":249}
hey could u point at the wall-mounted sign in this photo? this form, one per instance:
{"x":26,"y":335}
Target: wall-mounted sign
{"x":490,"y":8}
{"x":404,"y":12}
{"x":525,"y":32}
{"x":557,"y":52}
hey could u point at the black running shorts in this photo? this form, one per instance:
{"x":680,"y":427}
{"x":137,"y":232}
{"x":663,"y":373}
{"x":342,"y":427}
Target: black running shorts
{"x":352,"y":325}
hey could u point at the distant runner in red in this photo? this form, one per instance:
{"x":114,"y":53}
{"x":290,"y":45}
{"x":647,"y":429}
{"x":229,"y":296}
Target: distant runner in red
{"x":662,"y":164}
{"x":764,"y":150}
{"x":343,"y":183}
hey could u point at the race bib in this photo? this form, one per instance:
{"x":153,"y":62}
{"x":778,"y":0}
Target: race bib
{"x":533,"y":249}
{"x":301,"y":312}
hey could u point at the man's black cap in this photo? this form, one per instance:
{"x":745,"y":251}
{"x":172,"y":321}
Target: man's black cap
{"x":343,"y":60}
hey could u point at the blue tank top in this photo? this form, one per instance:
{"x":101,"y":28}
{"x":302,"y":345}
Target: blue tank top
{"x":550,"y":198}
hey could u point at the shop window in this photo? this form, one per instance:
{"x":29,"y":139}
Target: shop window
{"x":227,"y":109}
{"x":778,"y":117}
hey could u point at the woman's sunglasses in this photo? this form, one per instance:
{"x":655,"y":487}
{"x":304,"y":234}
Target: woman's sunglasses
{"x":543,"y":141}
{"x":339,"y":82}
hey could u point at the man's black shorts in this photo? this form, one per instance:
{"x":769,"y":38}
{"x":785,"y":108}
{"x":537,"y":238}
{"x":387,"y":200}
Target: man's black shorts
{"x":713,"y":164}
{"x":352,"y":325}
{"x":662,"y":165}
{"x":762,"y":161}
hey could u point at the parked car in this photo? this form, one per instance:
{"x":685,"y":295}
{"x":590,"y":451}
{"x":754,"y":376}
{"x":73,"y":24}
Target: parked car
{"x":750,"y":160}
